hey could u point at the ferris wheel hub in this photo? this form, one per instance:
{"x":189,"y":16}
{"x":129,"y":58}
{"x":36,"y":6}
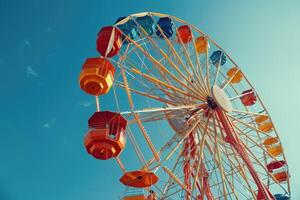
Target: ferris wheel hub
{"x":221,"y":98}
{"x":211,"y":102}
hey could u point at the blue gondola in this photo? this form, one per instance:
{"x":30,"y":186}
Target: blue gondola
{"x":166,"y":24}
{"x":217,"y":57}
{"x":129,"y":28}
{"x":281,"y":197}
{"x":147,"y":23}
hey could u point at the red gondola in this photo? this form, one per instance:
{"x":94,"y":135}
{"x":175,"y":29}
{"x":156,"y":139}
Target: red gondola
{"x":275,"y":165}
{"x":184,"y":34}
{"x":249,"y":98}
{"x":106,"y":136}
{"x":109,"y":41}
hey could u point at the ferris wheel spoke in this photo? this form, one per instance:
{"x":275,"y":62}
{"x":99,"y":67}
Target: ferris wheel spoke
{"x":144,"y":66}
{"x":142,"y":60}
{"x":170,"y":173}
{"x":172,"y":93}
{"x":196,"y":176}
{"x":152,"y":40}
{"x":158,"y":82}
{"x":241,"y":95}
{"x":199,"y":159}
{"x":219,"y":162}
{"x":157,"y":117}
{"x":137,"y":149}
{"x":171,"y":87}
{"x":151,"y":96}
{"x":175,"y":53}
{"x":218,"y":157}
{"x":189,"y":131}
{"x":163,"y":68}
{"x":204,"y":131}
{"x":254,"y":157}
{"x":234,"y":140}
{"x":178,"y":144}
{"x":187,"y":55}
{"x":146,"y":136}
{"x":158,"y":189}
{"x":234,"y":119}
{"x":177,"y":97}
{"x":178,"y":70}
{"x":218,"y":69}
{"x":138,"y":83}
{"x":172,"y":194}
{"x":200,"y":76}
{"x":150,"y":110}
{"x":136,"y":80}
{"x":207,"y":72}
{"x":260,"y":164}
{"x":250,"y":113}
{"x":228,"y":81}
{"x":121,"y":165}
{"x":255,"y":142}
{"x":243,"y":173}
{"x":167,"y":145}
{"x":230,"y":183}
{"x":144,"y":133}
{"x":214,"y":177}
{"x":236,"y":92}
{"x":167,"y":115}
{"x":168,"y":183}
{"x":122,"y":63}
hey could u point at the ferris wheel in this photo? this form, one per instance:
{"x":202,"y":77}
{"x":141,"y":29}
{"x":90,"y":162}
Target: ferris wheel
{"x":185,"y":122}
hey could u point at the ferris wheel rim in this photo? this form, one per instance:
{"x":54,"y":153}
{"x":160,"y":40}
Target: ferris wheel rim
{"x":233,"y":62}
{"x":206,"y":89}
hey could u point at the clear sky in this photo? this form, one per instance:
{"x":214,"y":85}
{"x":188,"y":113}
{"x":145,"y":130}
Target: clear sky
{"x":43,"y":113}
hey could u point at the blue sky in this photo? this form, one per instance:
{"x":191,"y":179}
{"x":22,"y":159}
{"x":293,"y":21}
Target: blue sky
{"x":43,"y":113}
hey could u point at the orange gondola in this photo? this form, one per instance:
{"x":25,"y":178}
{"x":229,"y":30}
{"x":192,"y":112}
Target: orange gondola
{"x":270,"y":141}
{"x":97,"y":76}
{"x":261,"y":118}
{"x":139,"y":179}
{"x":201,"y":44}
{"x":266,"y":127}
{"x":281,"y":176}
{"x":235,"y":75}
{"x":275,"y":150}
